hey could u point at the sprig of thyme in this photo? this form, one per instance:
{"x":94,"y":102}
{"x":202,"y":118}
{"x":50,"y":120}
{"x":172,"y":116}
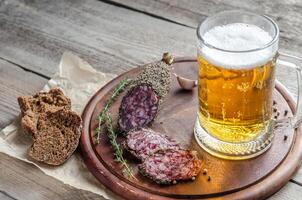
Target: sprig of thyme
{"x":118,"y":151}
{"x":105,"y":117}
{"x":102,"y":116}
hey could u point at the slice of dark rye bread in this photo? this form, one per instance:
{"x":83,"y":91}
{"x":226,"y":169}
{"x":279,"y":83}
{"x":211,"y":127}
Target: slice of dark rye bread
{"x":32,"y":106}
{"x":54,"y":128}
{"x":58,"y":136}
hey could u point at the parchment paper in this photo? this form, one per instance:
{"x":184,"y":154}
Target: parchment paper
{"x":79,"y":81}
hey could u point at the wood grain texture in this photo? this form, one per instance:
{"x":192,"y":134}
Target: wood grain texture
{"x":23,"y":181}
{"x":14,"y":82}
{"x":190,"y":13}
{"x":289,"y":192}
{"x":5,"y":196}
{"x":112,"y":39}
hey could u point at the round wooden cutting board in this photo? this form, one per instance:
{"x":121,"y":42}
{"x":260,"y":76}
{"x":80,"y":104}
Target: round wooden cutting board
{"x":255,"y":178}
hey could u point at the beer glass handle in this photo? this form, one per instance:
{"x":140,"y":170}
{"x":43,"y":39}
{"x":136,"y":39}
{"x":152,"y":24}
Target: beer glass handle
{"x":294,"y":63}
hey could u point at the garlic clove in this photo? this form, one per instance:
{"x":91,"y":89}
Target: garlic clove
{"x":185,"y":83}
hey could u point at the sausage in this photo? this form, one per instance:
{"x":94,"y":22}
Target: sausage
{"x":169,"y":166}
{"x":144,"y":142}
{"x":158,"y":75}
{"x":138,"y":108}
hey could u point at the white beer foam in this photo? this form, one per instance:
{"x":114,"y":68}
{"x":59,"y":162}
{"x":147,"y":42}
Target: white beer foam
{"x":237,"y":37}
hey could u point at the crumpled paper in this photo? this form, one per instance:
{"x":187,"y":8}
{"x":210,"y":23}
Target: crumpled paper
{"x":79,"y":82}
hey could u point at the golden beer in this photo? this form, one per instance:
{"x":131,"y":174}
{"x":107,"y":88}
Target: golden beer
{"x":237,"y":54}
{"x":235,"y":105}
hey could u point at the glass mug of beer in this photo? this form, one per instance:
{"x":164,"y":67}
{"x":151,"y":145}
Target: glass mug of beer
{"x":237,"y":60}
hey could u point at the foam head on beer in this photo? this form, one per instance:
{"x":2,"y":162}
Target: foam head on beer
{"x":237,"y":37}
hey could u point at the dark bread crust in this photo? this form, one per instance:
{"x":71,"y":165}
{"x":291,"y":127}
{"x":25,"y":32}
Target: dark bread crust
{"x":59,"y":134}
{"x":54,"y":128}
{"x":32,"y":106}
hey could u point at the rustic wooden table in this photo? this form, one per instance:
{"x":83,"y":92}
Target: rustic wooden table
{"x":113,"y":36}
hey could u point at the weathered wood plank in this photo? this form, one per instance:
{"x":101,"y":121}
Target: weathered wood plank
{"x":287,"y":14}
{"x":23,"y":181}
{"x":3,"y":196}
{"x":298,"y":176}
{"x":14,"y":82}
{"x":191,"y":13}
{"x":290,"y":191}
{"x":35,"y":33}
{"x":188,"y":13}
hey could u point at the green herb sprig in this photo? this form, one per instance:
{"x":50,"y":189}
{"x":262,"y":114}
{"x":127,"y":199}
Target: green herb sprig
{"x":102,"y":116}
{"x":105,"y":117}
{"x":118,"y":151}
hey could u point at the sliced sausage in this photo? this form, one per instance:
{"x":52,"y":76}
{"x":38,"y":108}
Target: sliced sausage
{"x":169,"y":166}
{"x":144,"y":142}
{"x":138,"y":108}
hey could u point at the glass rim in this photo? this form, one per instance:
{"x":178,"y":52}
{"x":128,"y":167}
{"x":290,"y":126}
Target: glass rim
{"x":272,"y":42}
